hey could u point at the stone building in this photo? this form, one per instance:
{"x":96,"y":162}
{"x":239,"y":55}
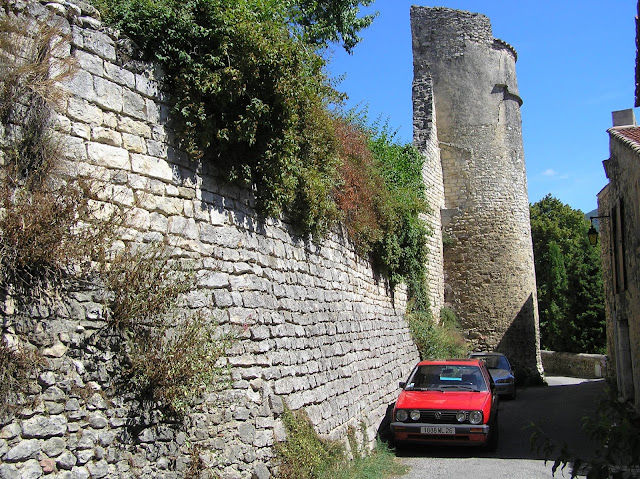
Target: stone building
{"x":467,"y":123}
{"x":619,"y":209}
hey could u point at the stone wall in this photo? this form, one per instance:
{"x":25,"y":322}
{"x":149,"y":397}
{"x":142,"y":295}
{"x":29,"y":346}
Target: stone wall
{"x":318,"y":329}
{"x":488,"y":256}
{"x":588,"y":366}
{"x":425,"y":139}
{"x":619,"y":205}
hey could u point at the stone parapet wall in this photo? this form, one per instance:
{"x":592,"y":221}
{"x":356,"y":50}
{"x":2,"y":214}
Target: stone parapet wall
{"x":588,"y":366}
{"x":318,"y":329}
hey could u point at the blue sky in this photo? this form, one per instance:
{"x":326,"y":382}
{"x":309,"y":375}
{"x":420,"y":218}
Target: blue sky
{"x":576,"y":64}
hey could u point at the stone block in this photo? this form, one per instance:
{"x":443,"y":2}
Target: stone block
{"x":9,"y":471}
{"x":118,"y":75}
{"x":91,"y":63}
{"x":134,"y":104}
{"x":109,"y":156}
{"x":80,"y":85}
{"x":99,"y":43}
{"x":134,"y":127}
{"x":66,"y":460}
{"x":106,"y":136}
{"x":152,"y":167}
{"x":134,"y":143}
{"x":24,"y":450}
{"x":108,"y":94}
{"x":31,"y":469}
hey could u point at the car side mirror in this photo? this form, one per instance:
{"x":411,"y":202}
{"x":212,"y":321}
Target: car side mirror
{"x":402,"y":384}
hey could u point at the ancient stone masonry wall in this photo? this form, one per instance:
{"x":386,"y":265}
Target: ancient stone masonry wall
{"x":318,"y":330}
{"x":619,"y":206}
{"x":488,"y":258}
{"x":425,"y":138}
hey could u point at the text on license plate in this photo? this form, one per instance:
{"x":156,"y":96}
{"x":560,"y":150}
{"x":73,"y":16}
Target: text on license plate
{"x":437,"y":430}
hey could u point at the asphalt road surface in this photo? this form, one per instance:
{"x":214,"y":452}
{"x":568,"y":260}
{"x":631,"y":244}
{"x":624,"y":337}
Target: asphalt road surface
{"x":557,"y":409}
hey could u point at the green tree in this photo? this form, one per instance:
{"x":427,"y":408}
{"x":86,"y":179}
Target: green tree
{"x":569,"y":278}
{"x":554,"y":305}
{"x":331,"y":21}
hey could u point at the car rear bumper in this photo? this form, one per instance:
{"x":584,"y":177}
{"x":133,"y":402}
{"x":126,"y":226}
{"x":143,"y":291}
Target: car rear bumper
{"x":465,"y":434}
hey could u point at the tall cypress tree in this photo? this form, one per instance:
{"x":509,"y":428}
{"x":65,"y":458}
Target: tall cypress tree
{"x":569,"y":278}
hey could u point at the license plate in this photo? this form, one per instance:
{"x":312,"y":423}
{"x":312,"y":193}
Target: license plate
{"x":437,"y":430}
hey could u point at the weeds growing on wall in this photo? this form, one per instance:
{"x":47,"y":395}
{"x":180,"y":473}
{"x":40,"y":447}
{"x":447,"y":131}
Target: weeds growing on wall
{"x":52,"y":226}
{"x":437,"y":340}
{"x":615,"y":430}
{"x":45,"y":222}
{"x":172,"y":356}
{"x":18,"y":369}
{"x":382,"y":197}
{"x":304,"y":455}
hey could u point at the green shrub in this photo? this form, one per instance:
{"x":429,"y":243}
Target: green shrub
{"x":433,"y":340}
{"x":304,"y":455}
{"x":382,"y":197}
{"x":249,"y":96}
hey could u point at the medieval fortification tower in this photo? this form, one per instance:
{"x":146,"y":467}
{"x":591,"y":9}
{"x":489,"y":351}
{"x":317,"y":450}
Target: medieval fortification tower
{"x":467,"y":123}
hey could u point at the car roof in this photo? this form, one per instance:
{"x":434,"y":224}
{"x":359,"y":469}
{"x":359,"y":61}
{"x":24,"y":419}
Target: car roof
{"x":452,"y":362}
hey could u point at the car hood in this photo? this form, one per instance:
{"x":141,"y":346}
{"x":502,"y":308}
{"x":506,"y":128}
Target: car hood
{"x":442,"y":400}
{"x":499,"y":374}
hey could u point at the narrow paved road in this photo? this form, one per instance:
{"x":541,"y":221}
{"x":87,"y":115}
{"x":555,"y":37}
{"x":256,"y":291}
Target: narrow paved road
{"x":557,"y":409}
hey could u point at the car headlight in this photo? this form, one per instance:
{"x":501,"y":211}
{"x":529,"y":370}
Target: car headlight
{"x":414,"y":415}
{"x":401,"y":415}
{"x":461,"y":416}
{"x":475,"y":417}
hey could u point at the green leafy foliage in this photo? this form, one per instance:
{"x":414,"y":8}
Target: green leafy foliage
{"x":437,"y":340}
{"x":331,"y":21}
{"x":250,"y":93}
{"x":382,"y":198}
{"x":403,"y":249}
{"x":569,"y":279}
{"x":304,"y":455}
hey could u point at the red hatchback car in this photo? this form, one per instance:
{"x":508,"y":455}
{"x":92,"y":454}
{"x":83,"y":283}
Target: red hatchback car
{"x":450,"y":401}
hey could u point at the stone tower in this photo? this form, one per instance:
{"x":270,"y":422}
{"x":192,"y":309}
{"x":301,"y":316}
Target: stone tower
{"x":465,"y":82}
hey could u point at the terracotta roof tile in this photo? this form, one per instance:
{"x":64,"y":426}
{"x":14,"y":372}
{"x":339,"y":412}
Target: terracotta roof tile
{"x":628,"y":134}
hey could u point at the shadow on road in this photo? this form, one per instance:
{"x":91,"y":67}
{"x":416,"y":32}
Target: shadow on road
{"x":557,"y":410}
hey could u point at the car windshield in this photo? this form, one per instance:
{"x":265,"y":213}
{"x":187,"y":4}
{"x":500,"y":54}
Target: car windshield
{"x":445,"y":377}
{"x":495,"y":361}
